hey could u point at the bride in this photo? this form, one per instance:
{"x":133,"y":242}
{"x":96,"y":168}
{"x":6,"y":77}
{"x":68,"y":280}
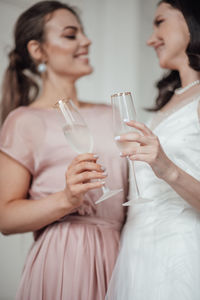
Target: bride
{"x":159,"y":257}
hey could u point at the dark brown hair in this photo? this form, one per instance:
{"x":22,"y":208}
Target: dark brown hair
{"x":171,"y":80}
{"x":19,"y":88}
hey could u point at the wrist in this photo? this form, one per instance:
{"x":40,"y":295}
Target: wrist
{"x":64,"y":204}
{"x":172,"y":174}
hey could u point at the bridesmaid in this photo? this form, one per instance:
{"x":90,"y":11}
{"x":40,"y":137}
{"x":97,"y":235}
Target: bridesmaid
{"x":44,"y":186}
{"x":160,"y":249}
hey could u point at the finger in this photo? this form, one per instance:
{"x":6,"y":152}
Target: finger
{"x":84,"y":157}
{"x":84,"y":166}
{"x":141,"y":157}
{"x":137,"y":150}
{"x":133,"y":137}
{"x":85,"y":187}
{"x":140,"y":126}
{"x":85,"y":177}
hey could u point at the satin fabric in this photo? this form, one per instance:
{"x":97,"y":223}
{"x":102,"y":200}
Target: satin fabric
{"x":73,"y":258}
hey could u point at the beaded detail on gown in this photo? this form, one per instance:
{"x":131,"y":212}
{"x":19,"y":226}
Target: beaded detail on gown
{"x":73,"y":258}
{"x":159,"y":255}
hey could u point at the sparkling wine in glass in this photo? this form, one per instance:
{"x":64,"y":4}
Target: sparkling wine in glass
{"x":79,"y":137}
{"x":124,"y":110}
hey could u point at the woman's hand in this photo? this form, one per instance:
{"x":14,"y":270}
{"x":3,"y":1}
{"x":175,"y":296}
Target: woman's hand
{"x":146,"y":147}
{"x":81,"y":171}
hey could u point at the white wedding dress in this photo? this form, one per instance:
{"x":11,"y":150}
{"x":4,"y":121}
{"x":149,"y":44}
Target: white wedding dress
{"x":159,"y":256}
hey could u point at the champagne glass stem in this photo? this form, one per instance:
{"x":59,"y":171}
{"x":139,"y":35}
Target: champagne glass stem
{"x":137,"y":193}
{"x":105,"y":189}
{"x":134,"y":179}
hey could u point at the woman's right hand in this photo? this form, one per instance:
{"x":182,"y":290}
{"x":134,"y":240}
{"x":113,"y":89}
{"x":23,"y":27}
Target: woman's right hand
{"x":79,"y":174}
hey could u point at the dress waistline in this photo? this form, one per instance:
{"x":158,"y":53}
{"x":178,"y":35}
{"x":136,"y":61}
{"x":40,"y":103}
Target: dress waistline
{"x":106,"y":223}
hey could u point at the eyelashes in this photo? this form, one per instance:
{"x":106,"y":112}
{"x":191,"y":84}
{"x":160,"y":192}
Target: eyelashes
{"x":158,"y":22}
{"x":70,"y":37}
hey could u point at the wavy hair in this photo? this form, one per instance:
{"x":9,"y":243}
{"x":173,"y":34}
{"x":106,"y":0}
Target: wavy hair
{"x":171,"y":80}
{"x":19,"y":87}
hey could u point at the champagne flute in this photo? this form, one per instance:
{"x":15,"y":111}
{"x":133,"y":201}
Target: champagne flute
{"x":124,"y":110}
{"x":79,"y":137}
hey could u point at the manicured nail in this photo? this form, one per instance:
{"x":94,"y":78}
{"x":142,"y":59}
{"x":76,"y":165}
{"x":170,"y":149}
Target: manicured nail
{"x":105,"y":173}
{"x":102,"y":168}
{"x":96,"y":156}
{"x":126,"y":120}
{"x":103,"y":182}
{"x":117,"y":138}
{"x":121,"y":154}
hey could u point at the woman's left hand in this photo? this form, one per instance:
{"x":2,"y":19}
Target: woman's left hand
{"x":148,"y":149}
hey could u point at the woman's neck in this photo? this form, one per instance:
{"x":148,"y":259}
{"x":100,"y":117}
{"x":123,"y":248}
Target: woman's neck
{"x":188,"y":75}
{"x":54,"y":89}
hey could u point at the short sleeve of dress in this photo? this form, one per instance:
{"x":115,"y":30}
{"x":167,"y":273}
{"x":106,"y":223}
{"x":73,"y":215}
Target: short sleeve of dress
{"x":18,"y":137}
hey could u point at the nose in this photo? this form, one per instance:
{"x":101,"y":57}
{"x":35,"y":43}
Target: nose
{"x":151,"y":40}
{"x":86,"y":42}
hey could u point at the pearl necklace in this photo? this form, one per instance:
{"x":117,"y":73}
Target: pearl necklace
{"x":181,"y":90}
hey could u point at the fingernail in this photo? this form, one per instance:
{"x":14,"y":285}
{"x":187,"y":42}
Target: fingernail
{"x":105,"y":173}
{"x":95,"y":156}
{"x":102,"y":168}
{"x":121,"y":154}
{"x":103,"y":182}
{"x":117,"y":138}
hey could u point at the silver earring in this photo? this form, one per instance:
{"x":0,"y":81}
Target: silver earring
{"x":42,"y":68}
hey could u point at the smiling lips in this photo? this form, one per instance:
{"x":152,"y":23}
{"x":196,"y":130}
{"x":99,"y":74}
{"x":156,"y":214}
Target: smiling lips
{"x":158,"y":48}
{"x":83,"y":56}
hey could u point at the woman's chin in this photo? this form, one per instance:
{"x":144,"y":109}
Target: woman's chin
{"x":163,"y":64}
{"x":86,"y":71}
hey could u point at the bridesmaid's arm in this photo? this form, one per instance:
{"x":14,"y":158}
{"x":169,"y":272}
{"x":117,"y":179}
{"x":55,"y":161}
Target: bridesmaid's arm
{"x":18,"y":214}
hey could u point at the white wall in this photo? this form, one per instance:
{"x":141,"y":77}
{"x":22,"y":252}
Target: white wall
{"x":149,"y":70}
{"x":122,"y":62}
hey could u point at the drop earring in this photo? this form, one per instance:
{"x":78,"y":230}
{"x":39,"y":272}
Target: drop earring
{"x":41,"y":68}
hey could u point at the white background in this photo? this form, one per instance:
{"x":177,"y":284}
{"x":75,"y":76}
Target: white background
{"x":121,"y":61}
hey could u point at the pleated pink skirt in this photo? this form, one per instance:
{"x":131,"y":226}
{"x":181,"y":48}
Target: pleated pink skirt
{"x":71,"y":260}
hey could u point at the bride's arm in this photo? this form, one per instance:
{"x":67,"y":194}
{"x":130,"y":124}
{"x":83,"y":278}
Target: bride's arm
{"x":186,"y":186}
{"x":151,"y":152}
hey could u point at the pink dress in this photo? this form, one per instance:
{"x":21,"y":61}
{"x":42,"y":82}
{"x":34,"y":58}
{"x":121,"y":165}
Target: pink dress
{"x":73,"y":258}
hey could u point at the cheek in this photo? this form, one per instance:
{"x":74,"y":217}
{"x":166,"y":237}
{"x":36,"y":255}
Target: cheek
{"x":177,"y":43}
{"x":61,"y":50}
{"x":179,"y":37}
{"x":181,"y":41}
